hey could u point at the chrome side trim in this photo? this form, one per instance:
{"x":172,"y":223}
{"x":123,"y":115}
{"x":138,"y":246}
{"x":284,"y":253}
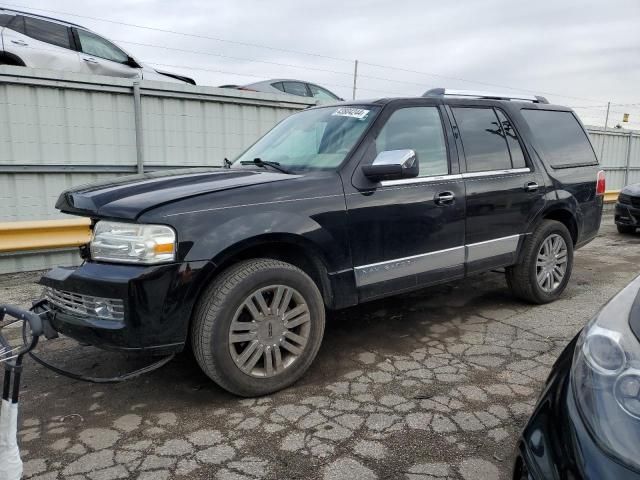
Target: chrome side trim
{"x":491,"y":248}
{"x":404,"y":267}
{"x":409,"y":181}
{"x":495,"y":173}
{"x":426,"y":262}
{"x":448,"y":178}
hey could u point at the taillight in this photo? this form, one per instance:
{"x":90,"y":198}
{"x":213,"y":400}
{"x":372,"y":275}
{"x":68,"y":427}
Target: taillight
{"x":601,"y":183}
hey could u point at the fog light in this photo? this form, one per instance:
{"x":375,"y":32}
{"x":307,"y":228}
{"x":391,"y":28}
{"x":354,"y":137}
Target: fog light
{"x":604,"y":352}
{"x":627,"y":392}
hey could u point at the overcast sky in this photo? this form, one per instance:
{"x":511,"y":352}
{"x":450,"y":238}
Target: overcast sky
{"x":580,"y":53}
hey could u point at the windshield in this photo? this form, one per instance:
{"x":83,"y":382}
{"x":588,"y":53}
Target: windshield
{"x":317,"y":139}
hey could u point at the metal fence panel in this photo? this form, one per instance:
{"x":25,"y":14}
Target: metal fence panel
{"x":59,"y":130}
{"x":619,"y":155}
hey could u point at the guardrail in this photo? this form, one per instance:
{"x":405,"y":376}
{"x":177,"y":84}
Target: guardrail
{"x":53,"y":234}
{"x":44,"y":235}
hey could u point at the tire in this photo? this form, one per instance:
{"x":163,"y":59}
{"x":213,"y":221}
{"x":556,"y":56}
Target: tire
{"x":219,"y":350}
{"x":523,"y":277}
{"x":626,"y":229}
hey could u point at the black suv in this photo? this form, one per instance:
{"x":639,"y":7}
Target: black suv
{"x":333,"y":207}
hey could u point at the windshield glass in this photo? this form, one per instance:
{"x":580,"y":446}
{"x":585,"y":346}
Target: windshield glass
{"x":317,"y":139}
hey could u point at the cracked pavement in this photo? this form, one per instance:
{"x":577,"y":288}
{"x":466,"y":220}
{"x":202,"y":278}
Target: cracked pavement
{"x":435,"y":384}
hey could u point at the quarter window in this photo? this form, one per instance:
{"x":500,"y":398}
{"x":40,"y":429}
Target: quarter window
{"x":92,"y":44}
{"x":419,"y":129}
{"x":561,"y":138}
{"x":48,"y":32}
{"x":485,"y":147}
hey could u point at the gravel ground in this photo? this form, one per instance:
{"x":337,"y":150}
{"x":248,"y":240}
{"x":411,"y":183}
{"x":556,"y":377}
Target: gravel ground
{"x":432,"y":385}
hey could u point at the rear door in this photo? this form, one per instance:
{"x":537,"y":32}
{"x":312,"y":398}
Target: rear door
{"x":504,"y":190}
{"x":41,"y":44}
{"x":407,"y":233}
{"x":101,"y":57}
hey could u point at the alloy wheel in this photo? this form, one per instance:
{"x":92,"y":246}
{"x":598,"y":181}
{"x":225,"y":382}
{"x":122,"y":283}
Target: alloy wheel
{"x":269,"y":331}
{"x":551,"y":263}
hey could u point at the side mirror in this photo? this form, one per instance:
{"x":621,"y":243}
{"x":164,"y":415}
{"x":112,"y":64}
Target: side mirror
{"x":393,"y":165}
{"x":132,"y":63}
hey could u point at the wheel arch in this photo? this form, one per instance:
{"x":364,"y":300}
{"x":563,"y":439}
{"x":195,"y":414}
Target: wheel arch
{"x":11,"y":59}
{"x":291,"y":248}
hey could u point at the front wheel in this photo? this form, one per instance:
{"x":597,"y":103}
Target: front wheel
{"x":546,"y":264}
{"x":258,"y":327}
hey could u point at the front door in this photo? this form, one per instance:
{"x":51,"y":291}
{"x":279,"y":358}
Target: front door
{"x":408,"y":233}
{"x":101,"y":57}
{"x":504,"y":189}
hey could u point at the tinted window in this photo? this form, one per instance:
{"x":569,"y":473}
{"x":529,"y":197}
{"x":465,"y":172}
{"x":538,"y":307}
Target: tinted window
{"x":48,"y":32}
{"x":321,"y":93}
{"x":278,"y":85}
{"x":517,"y":157}
{"x":5,"y":19}
{"x":92,"y":44}
{"x":561,"y":138}
{"x":482,"y":139}
{"x":296,"y":88}
{"x":418,"y":128}
{"x":17,"y":24}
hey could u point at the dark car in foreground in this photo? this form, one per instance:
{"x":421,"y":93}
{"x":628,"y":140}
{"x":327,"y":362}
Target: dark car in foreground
{"x":627,"y":213}
{"x":586,"y":424}
{"x":335,"y":206}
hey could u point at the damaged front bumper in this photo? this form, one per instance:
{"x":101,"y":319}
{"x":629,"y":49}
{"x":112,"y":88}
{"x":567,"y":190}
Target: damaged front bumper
{"x":123,"y":307}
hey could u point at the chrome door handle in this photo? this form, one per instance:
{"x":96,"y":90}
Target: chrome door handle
{"x":445,"y":198}
{"x":90,"y":60}
{"x":531,"y":187}
{"x":20,"y":42}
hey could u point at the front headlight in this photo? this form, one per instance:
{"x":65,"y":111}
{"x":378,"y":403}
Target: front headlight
{"x":132,"y":243}
{"x":606,"y":377}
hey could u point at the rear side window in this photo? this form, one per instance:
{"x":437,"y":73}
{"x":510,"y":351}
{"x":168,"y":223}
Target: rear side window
{"x":563,"y":141}
{"x":420,"y":129}
{"x":515,"y":149}
{"x":48,"y":32}
{"x":485,"y":147}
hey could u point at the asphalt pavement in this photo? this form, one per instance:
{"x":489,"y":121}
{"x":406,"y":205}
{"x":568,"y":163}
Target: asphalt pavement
{"x":431,"y":385}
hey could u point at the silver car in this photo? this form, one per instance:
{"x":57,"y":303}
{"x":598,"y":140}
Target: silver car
{"x":41,"y":42}
{"x":292,"y":87}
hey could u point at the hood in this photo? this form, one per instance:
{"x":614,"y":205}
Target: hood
{"x":129,"y":197}
{"x":633,"y":190}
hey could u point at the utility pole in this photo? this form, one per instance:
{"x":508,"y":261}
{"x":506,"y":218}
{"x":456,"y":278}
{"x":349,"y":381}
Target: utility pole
{"x":606,"y":120}
{"x":355,"y":78}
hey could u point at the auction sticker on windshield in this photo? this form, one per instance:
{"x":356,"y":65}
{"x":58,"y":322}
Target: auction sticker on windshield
{"x":358,"y":113}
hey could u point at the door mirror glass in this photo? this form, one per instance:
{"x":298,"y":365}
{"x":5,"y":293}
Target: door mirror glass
{"x":393,"y":165}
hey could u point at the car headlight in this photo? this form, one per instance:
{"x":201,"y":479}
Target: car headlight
{"x":606,"y":377}
{"x":132,"y":243}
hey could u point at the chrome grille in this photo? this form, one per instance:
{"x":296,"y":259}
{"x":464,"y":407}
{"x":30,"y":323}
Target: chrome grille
{"x":85,"y":305}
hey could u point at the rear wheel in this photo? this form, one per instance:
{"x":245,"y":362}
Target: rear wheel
{"x":626,"y":229}
{"x":258,"y":327}
{"x":546,"y":264}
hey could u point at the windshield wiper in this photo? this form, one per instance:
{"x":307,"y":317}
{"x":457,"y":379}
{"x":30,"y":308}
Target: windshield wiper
{"x":265,"y":163}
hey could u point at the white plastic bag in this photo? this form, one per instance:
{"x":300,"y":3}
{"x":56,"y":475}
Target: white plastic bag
{"x":10,"y":462}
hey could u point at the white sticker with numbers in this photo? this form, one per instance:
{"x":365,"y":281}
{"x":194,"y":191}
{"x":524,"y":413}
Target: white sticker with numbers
{"x":358,"y":113}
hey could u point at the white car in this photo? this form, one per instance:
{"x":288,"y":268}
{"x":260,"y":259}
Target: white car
{"x":36,"y":41}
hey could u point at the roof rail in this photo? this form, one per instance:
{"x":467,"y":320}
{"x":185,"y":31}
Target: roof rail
{"x":21,"y":12}
{"x":448,"y":92}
